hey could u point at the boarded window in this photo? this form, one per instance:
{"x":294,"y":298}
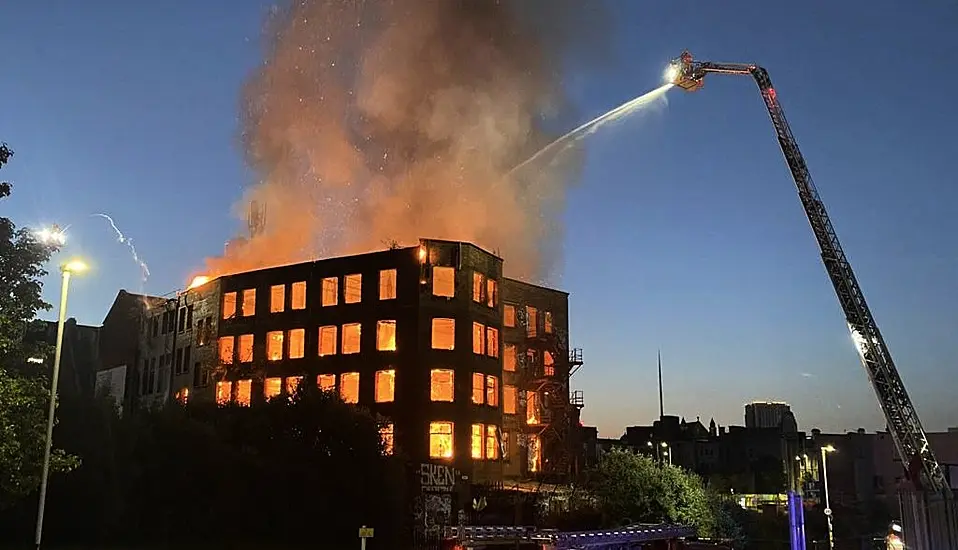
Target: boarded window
{"x":326,"y":382}
{"x":387,"y":284}
{"x":327,"y":340}
{"x":349,"y":387}
{"x":298,"y":295}
{"x":352,"y":335}
{"x":478,"y":388}
{"x":492,"y":342}
{"x":532,"y":407}
{"x":292,"y":384}
{"x":440,"y":440}
{"x":441,"y":385}
{"x":509,"y":315}
{"x":330,"y":291}
{"x":509,"y":358}
{"x":297,"y":343}
{"x":443,"y":333}
{"x":478,"y":338}
{"x":531,"y":321}
{"x":272,"y":387}
{"x":492,"y":391}
{"x":477,"y":441}
{"x":387,"y":435}
{"x":385,"y":386}
{"x":246,"y":348}
{"x":226,"y":344}
{"x":492,"y":292}
{"x":444,"y":281}
{"x":548,"y":364}
{"x":547,"y":322}
{"x":277,"y":298}
{"x":492,"y":442}
{"x":249,"y":302}
{"x":477,"y":280}
{"x":386,"y":335}
{"x":274,"y":345}
{"x":353,"y":289}
{"x":244,"y":390}
{"x":509,"y":399}
{"x":229,"y":305}
{"x":224,"y":391}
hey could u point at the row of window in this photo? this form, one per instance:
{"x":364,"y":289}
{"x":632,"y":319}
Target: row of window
{"x":485,"y":290}
{"x":532,"y":319}
{"x":352,"y":294}
{"x":291,"y":344}
{"x":485,"y":388}
{"x":174,"y":321}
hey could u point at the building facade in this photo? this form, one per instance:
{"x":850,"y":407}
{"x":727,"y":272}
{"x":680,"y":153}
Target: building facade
{"x":470,"y":369}
{"x":770,"y":414}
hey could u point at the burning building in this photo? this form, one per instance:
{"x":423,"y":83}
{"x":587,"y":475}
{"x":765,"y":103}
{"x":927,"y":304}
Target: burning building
{"x":470,"y":368}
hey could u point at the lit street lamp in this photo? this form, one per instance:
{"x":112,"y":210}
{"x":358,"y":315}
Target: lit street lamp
{"x":52,"y":236}
{"x":68,"y":268}
{"x":667,"y":450}
{"x":828,"y":508}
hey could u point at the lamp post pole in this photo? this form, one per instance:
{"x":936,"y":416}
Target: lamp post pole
{"x":67,"y":269}
{"x":828,"y":508}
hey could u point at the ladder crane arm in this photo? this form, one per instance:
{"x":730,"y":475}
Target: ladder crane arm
{"x":910,"y":438}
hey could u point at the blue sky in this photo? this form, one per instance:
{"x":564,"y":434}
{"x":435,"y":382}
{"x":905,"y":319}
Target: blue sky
{"x":684,"y":234}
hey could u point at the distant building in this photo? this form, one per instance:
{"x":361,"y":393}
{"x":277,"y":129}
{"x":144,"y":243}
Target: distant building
{"x":768,"y":414}
{"x":757,"y":461}
{"x":79,"y":360}
{"x":470,"y":368}
{"x":865,"y":466}
{"x":120,"y":349}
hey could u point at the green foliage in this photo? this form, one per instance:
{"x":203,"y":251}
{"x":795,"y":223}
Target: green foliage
{"x":21,"y":268}
{"x":23,"y":419}
{"x":633,"y":488}
{"x":23,"y":400}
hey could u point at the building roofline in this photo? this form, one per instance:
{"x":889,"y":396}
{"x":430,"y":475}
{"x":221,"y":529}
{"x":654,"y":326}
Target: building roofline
{"x":533,"y":285}
{"x":467,"y":243}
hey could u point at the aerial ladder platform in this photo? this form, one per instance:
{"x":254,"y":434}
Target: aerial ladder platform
{"x":928,"y":509}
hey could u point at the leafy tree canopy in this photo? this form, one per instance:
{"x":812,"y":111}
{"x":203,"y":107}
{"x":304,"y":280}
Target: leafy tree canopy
{"x":21,"y":270}
{"x":23,"y":400}
{"x":633,"y":488}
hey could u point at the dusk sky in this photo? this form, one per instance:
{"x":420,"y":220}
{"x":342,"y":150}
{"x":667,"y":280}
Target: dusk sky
{"x":684,"y":233}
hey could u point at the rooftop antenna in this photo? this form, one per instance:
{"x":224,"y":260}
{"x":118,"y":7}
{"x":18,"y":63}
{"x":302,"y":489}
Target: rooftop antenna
{"x":661,"y":399}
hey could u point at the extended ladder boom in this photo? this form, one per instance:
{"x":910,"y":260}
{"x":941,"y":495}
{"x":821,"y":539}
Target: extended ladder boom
{"x":906,"y":430}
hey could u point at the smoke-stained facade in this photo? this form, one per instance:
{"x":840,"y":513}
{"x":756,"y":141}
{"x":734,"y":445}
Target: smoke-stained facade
{"x":428,"y":337}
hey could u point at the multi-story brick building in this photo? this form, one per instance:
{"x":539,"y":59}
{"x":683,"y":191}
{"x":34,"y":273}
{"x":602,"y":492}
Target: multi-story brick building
{"x":471,"y":369}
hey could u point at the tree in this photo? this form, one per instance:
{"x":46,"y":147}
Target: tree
{"x":633,"y":488}
{"x":23,"y":419}
{"x":23,"y":400}
{"x":21,"y":268}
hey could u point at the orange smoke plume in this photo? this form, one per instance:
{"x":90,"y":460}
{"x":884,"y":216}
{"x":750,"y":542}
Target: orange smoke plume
{"x":372,"y":122}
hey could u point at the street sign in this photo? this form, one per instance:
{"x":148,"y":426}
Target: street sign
{"x":364,"y":533}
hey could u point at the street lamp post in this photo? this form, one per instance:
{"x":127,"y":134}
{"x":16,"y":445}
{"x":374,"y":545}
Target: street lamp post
{"x":828,"y":508}
{"x":73,"y":266}
{"x":667,"y":450}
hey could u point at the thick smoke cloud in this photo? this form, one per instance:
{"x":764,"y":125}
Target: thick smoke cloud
{"x":382,"y":121}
